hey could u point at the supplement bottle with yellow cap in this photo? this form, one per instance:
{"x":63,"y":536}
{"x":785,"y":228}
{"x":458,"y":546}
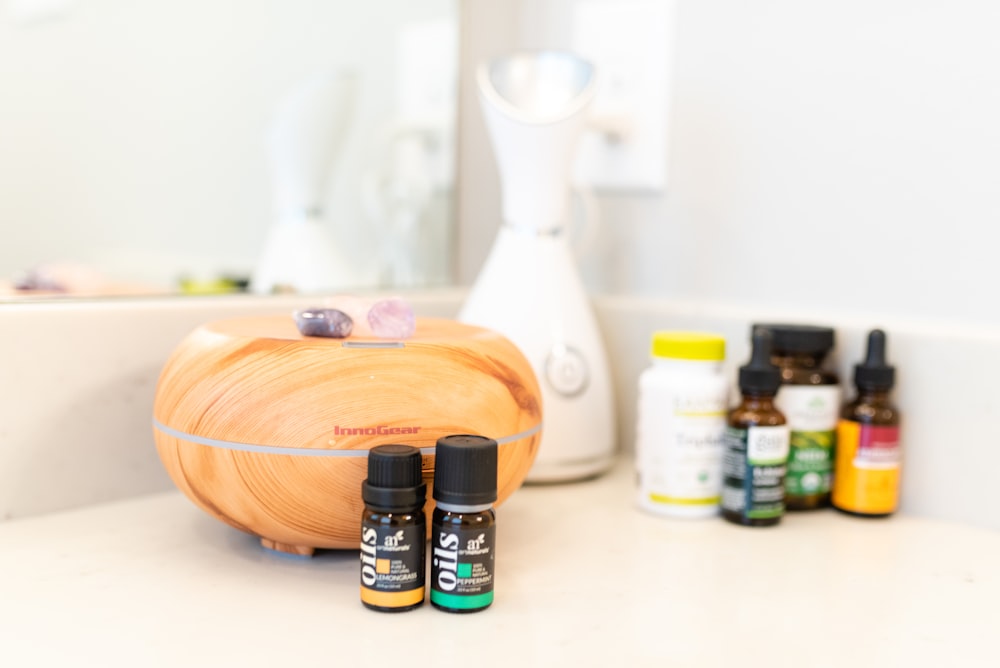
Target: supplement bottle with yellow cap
{"x":683,"y":401}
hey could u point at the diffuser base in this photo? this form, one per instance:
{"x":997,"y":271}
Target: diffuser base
{"x":297,"y":550}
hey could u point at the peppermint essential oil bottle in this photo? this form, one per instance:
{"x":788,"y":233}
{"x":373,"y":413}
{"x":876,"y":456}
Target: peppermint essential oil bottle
{"x":463,"y":528}
{"x":756,"y":444}
{"x":866,"y":477}
{"x":393,"y":530}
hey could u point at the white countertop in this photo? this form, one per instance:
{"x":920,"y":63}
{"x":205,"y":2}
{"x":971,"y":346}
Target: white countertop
{"x":581,"y":577}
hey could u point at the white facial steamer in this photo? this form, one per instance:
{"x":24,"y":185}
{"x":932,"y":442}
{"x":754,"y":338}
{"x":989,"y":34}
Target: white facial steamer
{"x":529,"y":288}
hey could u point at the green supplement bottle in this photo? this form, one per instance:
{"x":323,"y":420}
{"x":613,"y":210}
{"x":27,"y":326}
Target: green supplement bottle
{"x":755,"y":444}
{"x":463,"y":528}
{"x":393,"y":530}
{"x":810,"y":399}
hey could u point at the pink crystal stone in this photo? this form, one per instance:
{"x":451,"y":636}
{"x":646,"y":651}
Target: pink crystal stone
{"x":392,"y":319}
{"x":355,"y":307}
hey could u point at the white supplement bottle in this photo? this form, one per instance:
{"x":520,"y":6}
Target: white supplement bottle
{"x":683,"y":400}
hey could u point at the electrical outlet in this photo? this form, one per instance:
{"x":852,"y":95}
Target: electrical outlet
{"x":629,"y":42}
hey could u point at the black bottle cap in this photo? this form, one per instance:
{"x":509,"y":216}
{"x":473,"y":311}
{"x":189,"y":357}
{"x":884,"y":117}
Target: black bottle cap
{"x":875,"y":373}
{"x":759,"y":375}
{"x":395,"y":483}
{"x":807,"y":339}
{"x":465,"y":470}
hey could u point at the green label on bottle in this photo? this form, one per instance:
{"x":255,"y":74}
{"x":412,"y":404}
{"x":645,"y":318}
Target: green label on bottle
{"x":812,"y":413}
{"x":810,"y":463}
{"x":462,"y":567}
{"x":754,"y":471}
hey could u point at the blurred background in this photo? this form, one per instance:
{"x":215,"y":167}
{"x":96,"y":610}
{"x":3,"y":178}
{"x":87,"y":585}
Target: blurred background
{"x":147,"y":144}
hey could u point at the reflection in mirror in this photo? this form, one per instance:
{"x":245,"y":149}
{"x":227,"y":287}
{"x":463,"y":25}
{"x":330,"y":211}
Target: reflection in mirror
{"x":275,"y":145}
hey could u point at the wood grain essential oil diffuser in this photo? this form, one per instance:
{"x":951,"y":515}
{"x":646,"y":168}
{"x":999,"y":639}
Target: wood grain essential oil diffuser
{"x":269,"y":431}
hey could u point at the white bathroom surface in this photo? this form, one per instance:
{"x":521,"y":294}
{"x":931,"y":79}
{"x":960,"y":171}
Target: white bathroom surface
{"x":582,"y":578}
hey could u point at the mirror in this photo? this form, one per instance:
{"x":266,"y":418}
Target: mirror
{"x":157,"y":148}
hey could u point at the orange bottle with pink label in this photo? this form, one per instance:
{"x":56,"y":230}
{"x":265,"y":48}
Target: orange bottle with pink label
{"x":868,"y":459}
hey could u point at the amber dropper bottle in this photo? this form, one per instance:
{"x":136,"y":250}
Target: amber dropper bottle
{"x":867,"y":473}
{"x":756,"y":444}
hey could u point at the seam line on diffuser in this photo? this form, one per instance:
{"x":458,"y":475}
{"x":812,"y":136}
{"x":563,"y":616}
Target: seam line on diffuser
{"x":308,"y":452}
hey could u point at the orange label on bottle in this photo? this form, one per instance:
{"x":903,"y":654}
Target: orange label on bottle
{"x":866,"y":475}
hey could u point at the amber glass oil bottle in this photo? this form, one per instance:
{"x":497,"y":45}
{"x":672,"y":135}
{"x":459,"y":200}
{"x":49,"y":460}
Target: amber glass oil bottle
{"x":756,"y":444}
{"x":867,"y":472}
{"x":393,"y":530}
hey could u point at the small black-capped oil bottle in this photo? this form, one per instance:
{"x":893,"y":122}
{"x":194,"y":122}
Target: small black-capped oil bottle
{"x":756,"y":444}
{"x":393,"y":530}
{"x":866,"y":476}
{"x":463,"y":528}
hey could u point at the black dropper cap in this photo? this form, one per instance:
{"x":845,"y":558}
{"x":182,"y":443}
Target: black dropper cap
{"x":875,"y":373}
{"x":807,"y":339}
{"x":395,"y":483}
{"x":759,"y":376}
{"x":465,"y":470}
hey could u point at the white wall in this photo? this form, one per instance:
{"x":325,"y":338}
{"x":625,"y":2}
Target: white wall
{"x":834,"y":153}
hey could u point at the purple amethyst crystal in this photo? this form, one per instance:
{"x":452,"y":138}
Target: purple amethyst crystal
{"x":392,"y":319}
{"x":328,"y":322}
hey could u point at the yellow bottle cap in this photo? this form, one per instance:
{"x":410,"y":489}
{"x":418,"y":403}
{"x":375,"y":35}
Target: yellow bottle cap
{"x":689,"y":346}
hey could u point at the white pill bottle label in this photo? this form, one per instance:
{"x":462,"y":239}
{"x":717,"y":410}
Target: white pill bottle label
{"x":680,"y":428}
